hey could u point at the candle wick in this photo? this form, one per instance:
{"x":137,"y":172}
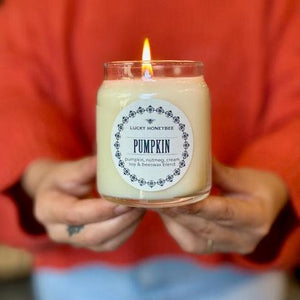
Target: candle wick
{"x":147,"y":75}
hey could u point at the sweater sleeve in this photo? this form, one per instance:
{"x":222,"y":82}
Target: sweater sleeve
{"x":35,"y":121}
{"x":277,"y":148}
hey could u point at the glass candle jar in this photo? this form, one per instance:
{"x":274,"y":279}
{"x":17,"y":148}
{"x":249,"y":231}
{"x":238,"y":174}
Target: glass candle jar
{"x":153,"y":133}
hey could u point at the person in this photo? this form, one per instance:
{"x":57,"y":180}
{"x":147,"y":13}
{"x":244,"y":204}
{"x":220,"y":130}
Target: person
{"x":231,"y":245}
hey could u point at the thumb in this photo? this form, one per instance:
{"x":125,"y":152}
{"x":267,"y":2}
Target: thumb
{"x":85,"y":169}
{"x":78,"y":176}
{"x":233,"y":180}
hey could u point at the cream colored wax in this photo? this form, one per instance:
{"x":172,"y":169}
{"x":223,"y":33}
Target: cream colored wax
{"x":191,"y":96}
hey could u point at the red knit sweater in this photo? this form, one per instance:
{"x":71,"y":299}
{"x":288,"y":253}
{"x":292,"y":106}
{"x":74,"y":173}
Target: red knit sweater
{"x":51,"y":57}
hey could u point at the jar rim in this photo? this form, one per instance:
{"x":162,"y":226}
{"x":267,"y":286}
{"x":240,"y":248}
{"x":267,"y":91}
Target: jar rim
{"x":139,"y":63}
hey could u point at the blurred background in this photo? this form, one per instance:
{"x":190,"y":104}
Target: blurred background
{"x":15,"y":269}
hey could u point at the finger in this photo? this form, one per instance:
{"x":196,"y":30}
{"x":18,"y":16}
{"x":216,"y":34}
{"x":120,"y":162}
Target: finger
{"x":62,"y":208}
{"x":194,"y":237}
{"x":196,"y":225}
{"x":183,"y":236}
{"x":77,"y":178}
{"x":233,"y":180}
{"x":115,"y":242}
{"x":224,"y":211}
{"x":91,"y":235}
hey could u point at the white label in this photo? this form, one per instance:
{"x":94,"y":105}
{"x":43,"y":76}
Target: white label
{"x":151,"y":144}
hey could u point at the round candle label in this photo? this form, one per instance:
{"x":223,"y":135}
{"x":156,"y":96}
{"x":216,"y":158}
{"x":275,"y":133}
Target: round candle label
{"x":151,"y":144}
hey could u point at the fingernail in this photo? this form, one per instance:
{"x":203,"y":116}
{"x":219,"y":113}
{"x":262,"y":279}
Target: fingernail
{"x":121,"y":209}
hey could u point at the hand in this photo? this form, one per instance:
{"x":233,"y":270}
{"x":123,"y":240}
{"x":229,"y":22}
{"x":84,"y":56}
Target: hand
{"x":237,"y":220}
{"x":62,"y":204}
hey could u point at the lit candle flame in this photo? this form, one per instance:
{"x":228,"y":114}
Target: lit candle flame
{"x":147,"y":71}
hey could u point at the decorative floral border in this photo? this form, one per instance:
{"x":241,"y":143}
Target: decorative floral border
{"x":169,"y":114}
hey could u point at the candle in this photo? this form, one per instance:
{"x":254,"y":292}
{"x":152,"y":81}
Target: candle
{"x":153,"y":133}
